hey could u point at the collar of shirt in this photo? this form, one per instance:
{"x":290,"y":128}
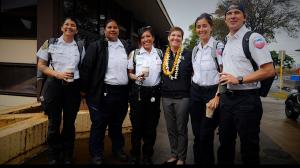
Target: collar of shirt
{"x":210,"y":43}
{"x":62,"y":41}
{"x":239,"y":34}
{"x":143,"y":50}
{"x":115,"y":44}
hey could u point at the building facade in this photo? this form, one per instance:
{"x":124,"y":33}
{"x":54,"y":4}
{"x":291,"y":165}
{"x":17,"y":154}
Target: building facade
{"x":26,"y":24}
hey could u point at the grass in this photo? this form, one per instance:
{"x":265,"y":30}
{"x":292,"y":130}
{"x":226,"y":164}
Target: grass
{"x":279,"y":95}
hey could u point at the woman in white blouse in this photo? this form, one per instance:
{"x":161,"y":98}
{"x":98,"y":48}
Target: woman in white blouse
{"x":206,"y":62}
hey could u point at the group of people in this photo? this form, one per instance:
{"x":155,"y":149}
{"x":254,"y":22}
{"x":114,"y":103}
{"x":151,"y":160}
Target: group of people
{"x":213,"y":76}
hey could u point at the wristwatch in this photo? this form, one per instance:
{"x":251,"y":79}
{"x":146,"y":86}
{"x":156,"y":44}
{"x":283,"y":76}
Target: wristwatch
{"x":240,"y":79}
{"x":218,"y":94}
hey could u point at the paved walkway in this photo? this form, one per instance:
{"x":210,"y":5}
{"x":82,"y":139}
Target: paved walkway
{"x":271,"y":153}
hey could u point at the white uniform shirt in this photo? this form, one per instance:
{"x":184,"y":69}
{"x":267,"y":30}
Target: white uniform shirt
{"x":235,"y":61}
{"x":152,"y":60}
{"x":205,"y":70}
{"x":63,"y":54}
{"x":116,"y":73}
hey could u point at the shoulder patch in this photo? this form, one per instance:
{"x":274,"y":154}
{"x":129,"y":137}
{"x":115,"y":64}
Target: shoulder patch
{"x":259,"y":42}
{"x":45,"y":45}
{"x":220,"y":48}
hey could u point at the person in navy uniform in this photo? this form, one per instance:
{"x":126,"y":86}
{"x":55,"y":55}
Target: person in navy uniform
{"x":104,"y":83}
{"x":241,"y":107}
{"x":62,"y":93}
{"x":144,"y":68}
{"x":207,"y":63}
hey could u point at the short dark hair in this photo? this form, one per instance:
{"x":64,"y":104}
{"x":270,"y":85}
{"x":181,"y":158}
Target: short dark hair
{"x":235,"y":5}
{"x":207,"y":17}
{"x":176,"y":28}
{"x":71,"y":18}
{"x":108,"y":21}
{"x":142,"y":30}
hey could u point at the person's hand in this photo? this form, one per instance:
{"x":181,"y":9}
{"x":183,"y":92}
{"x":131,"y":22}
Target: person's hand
{"x":64,"y":75}
{"x":214,"y":103}
{"x":226,"y":78}
{"x":140,"y":78}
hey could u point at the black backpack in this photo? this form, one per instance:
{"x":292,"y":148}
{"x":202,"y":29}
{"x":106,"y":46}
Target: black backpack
{"x":41,"y":77}
{"x":265,"y":84}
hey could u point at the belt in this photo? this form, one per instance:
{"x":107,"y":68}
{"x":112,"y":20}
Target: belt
{"x":242,"y":92}
{"x":204,"y":87}
{"x":63,"y":82}
{"x":147,"y":87}
{"x":116,"y":86}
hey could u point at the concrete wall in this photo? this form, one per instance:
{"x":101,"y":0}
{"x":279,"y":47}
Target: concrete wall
{"x":23,"y":136}
{"x":18,"y":51}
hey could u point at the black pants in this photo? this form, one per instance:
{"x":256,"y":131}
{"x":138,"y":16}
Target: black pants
{"x":111,"y":112}
{"x":144,"y":116}
{"x":61,"y":98}
{"x":203,"y":127}
{"x":241,"y":113}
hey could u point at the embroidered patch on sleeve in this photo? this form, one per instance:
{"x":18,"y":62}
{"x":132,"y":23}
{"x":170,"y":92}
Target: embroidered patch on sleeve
{"x":259,"y":42}
{"x":219,"y":51}
{"x":45,"y":45}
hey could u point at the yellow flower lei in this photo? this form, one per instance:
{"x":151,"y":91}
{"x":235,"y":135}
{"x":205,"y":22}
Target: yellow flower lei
{"x":175,"y":66}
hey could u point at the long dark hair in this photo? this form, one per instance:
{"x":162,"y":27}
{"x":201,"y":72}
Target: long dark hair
{"x":207,"y":17}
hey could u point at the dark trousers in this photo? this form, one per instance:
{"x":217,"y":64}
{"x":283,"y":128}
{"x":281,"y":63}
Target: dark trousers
{"x":144,"y":116}
{"x":61,"y":98}
{"x":240,"y":114}
{"x":203,"y":127}
{"x":111,"y":112}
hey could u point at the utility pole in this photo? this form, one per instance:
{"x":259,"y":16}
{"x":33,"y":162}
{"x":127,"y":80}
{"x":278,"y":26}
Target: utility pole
{"x":282,"y":56}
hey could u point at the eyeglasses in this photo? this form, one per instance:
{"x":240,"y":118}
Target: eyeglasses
{"x":142,"y":29}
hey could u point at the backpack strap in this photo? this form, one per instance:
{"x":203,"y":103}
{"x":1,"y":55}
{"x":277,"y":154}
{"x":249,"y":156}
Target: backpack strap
{"x":160,"y":53}
{"x":245,"y":44}
{"x":52,"y":40}
{"x":214,"y":55}
{"x":80,"y":45}
{"x":194,"y":52}
{"x":135,"y":52}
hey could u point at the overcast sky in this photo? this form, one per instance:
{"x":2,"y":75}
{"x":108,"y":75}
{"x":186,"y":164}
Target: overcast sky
{"x":184,"y":12}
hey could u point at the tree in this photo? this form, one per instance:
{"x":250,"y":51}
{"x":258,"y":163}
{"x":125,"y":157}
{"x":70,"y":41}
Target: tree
{"x":268,"y":16}
{"x":263,"y":16}
{"x":190,"y":42}
{"x":287,"y":62}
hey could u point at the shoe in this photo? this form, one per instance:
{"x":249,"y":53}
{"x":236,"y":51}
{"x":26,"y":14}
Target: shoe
{"x":97,"y":160}
{"x":174,"y":162}
{"x":147,"y":161}
{"x":180,"y":162}
{"x":68,"y":159}
{"x":53,"y":162}
{"x":134,"y":160}
{"x":121,"y":156}
{"x":67,"y":162}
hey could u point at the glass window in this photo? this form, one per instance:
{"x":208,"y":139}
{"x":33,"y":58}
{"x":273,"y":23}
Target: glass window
{"x":18,"y":79}
{"x":18,"y":18}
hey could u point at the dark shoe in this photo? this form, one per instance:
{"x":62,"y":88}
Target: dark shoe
{"x":134,"y":160}
{"x":68,"y":159}
{"x":53,"y":162}
{"x":170,"y":163}
{"x":121,"y":156}
{"x":97,"y":160}
{"x":147,"y":161}
{"x":68,"y":162}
